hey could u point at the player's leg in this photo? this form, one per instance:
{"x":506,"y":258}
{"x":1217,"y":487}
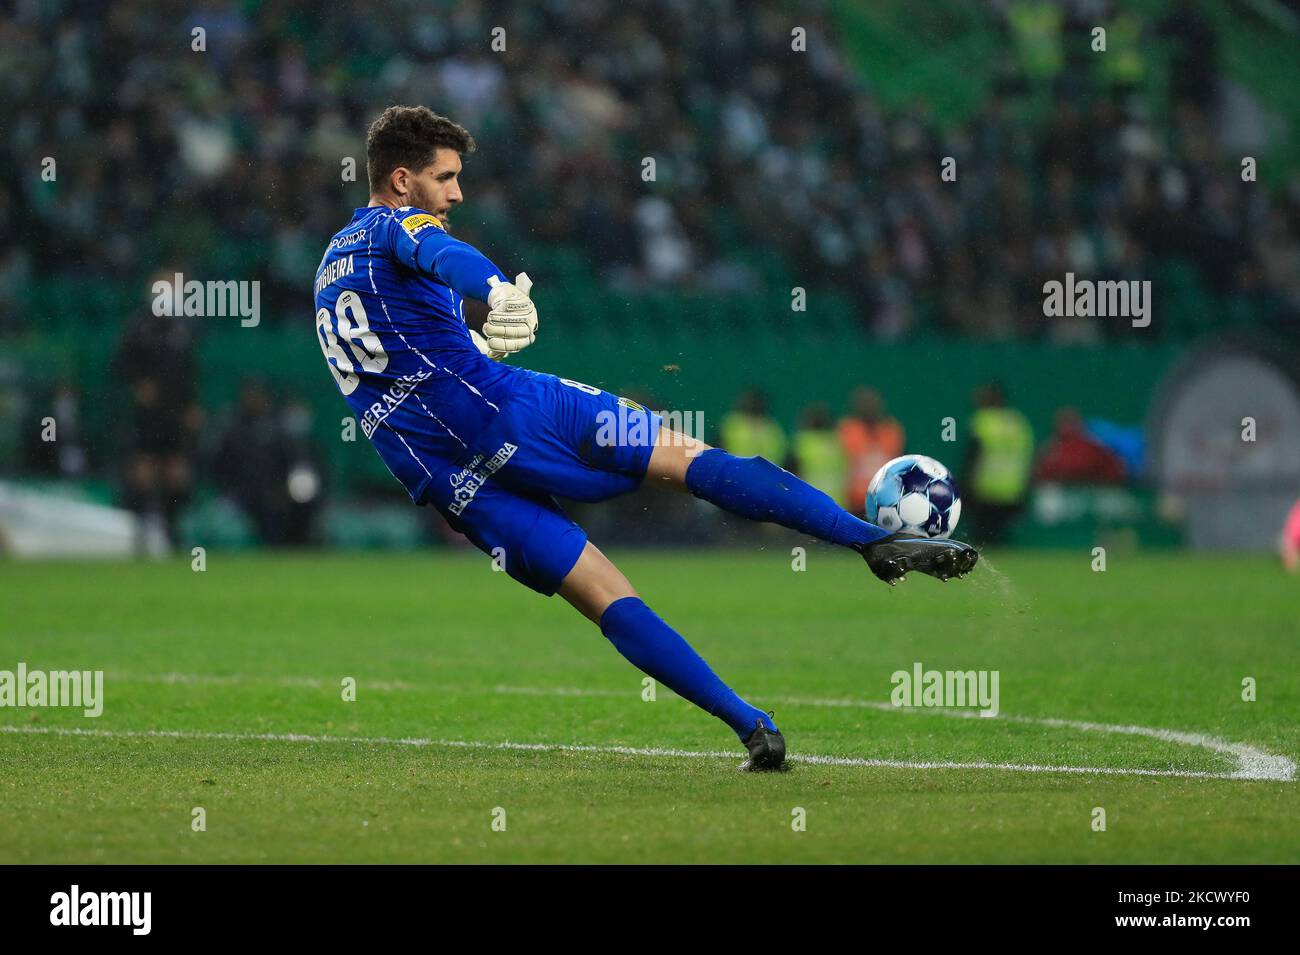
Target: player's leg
{"x":142,"y":496}
{"x":599,"y":591}
{"x":760,"y":490}
{"x":542,"y":548}
{"x":755,"y":488}
{"x":594,"y":583}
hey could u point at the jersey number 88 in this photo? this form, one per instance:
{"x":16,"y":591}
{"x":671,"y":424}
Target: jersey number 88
{"x":352,"y":344}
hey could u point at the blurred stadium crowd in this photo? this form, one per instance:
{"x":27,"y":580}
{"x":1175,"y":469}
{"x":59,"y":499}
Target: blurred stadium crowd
{"x":769,"y":163}
{"x":757,"y":148}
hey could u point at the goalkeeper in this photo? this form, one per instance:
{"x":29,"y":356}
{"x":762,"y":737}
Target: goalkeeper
{"x":491,"y":445}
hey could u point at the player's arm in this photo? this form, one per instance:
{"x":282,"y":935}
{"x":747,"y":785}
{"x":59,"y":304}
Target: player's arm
{"x":419,"y":241}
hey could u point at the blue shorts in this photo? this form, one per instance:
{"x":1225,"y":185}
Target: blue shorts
{"x":552,"y":437}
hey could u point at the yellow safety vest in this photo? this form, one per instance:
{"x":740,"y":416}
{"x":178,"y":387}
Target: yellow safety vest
{"x":821,"y":461}
{"x":1006,"y":455}
{"x":745,"y":435}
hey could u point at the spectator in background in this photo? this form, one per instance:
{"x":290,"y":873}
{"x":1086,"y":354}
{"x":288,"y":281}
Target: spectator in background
{"x":267,"y":464}
{"x":1126,"y":442}
{"x":1290,"y":543}
{"x":188,"y":145}
{"x":304,"y":482}
{"x":1036,"y":33}
{"x":749,"y":429}
{"x":816,"y":454}
{"x":249,"y":467}
{"x":998,"y":462}
{"x":1072,"y":455}
{"x":869,"y":438}
{"x":156,"y":361}
{"x":65,"y":456}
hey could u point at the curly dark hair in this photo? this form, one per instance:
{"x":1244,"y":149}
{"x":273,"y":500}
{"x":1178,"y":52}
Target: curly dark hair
{"x":409,"y":136}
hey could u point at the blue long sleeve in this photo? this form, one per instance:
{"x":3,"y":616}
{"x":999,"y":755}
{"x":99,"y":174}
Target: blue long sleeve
{"x":459,"y":264}
{"x":417,"y":239}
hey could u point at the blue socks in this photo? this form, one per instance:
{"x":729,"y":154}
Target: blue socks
{"x":758,"y":489}
{"x":658,"y":650}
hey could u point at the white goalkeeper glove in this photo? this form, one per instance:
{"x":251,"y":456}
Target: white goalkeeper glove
{"x":511,"y":323}
{"x":481,"y":344}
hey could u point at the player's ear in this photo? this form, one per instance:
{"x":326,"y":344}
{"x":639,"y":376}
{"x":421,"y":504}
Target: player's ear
{"x":399,"y":181}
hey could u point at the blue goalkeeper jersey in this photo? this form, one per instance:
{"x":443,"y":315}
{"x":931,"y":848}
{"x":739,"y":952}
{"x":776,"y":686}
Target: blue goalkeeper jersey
{"x":390,"y":319}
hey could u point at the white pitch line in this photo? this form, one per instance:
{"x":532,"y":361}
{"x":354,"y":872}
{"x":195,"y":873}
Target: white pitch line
{"x":236,"y":679}
{"x":618,"y":750}
{"x":1252,"y":762}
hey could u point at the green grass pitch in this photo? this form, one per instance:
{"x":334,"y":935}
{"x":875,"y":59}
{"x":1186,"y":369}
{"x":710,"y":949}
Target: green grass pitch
{"x":244,"y":664}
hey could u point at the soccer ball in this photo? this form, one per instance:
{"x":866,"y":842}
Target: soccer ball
{"x":915,"y":494}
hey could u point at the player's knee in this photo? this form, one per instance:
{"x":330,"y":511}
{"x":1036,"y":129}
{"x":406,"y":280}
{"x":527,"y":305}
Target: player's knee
{"x":594,"y":584}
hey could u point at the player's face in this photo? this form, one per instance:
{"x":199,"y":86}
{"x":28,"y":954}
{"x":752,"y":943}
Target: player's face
{"x":436,"y":187}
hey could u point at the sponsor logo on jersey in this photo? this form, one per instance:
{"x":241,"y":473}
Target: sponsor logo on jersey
{"x":417,"y":223}
{"x":352,"y":238}
{"x":467,"y":481}
{"x":390,"y":399}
